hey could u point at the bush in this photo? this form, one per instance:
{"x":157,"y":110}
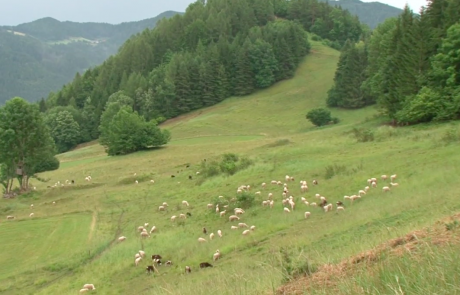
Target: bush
{"x":228,"y":164}
{"x":363,"y":135}
{"x":320,"y":117}
{"x":50,"y":164}
{"x":245,"y":200}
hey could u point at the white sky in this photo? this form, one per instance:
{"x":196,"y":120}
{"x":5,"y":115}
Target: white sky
{"x":14,"y":12}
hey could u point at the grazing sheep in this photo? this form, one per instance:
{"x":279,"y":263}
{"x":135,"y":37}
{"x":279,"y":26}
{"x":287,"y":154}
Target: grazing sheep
{"x":257,"y":193}
{"x":222,"y":213}
{"x":241,"y":224}
{"x":263,"y":185}
{"x":137,"y":182}
{"x":384,"y":177}
{"x":204,"y":230}
{"x":205,"y":264}
{"x":216,"y":255}
{"x":366,"y":188}
{"x":210,"y":206}
{"x":393,"y":177}
{"x":361,"y":192}
{"x":31,"y":215}
{"x":152,"y":181}
{"x":165,"y":204}
{"x":89,"y":286}
{"x":121,"y":239}
{"x":286,"y":210}
{"x":136,"y":262}
{"x":83,"y":290}
{"x":374,"y":184}
{"x":385,"y":189}
{"x":307,"y":214}
{"x":173,"y":218}
{"x":156,"y":256}
{"x":168,"y":263}
{"x":188,"y":269}
{"x":145,"y":234}
{"x":154,"y":228}
{"x":234,"y":227}
{"x":161,"y":208}
{"x":31,"y":206}
{"x":253,"y":227}
{"x":137,"y":255}
{"x":211,"y":236}
{"x":315,"y":182}
{"x":246,"y":232}
{"x":157,"y":261}
{"x":233,"y":218}
{"x":327,"y":208}
{"x":201,"y":240}
{"x":140,"y":228}
{"x":185,"y":203}
{"x":142,"y":253}
{"x":219,"y":233}
{"x":183,"y":216}
{"x":239,"y":211}
{"x":340,"y":208}
{"x":394,"y":183}
{"x":150,"y":268}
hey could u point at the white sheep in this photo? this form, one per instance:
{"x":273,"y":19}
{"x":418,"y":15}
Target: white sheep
{"x":161,"y":208}
{"x":222,"y":213}
{"x":137,"y":255}
{"x":89,"y":286}
{"x":361,"y":192}
{"x":142,"y":253}
{"x":340,"y":208}
{"x":183,"y":216}
{"x":219,"y":233}
{"x":246,"y":232}
{"x":286,"y":210}
{"x":152,"y":181}
{"x":253,"y":227}
{"x":154,"y":228}
{"x":137,"y":182}
{"x":211,"y":236}
{"x":327,"y":208}
{"x":201,"y":240}
{"x":83,"y":290}
{"x":239,"y":211}
{"x":31,"y":215}
{"x":385,"y":189}
{"x":234,"y":227}
{"x":394,"y":183}
{"x":173,"y":218}
{"x":121,"y":239}
{"x":136,"y":262}
{"x":307,"y":214}
{"x":384,"y":177}
{"x":216,"y":255}
{"x":31,"y":206}
{"x":272,"y":203}
{"x":210,"y":206}
{"x":393,"y":177}
{"x":257,"y":193}
{"x":140,"y":228}
{"x":233,"y":217}
{"x":241,"y":224}
{"x":264,"y":184}
{"x":145,"y":234}
{"x":185,"y":203}
{"x":165,"y":204}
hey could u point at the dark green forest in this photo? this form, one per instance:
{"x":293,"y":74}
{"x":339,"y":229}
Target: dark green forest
{"x":369,"y":13}
{"x":409,"y":66}
{"x":51,"y":52}
{"x":217,"y":49}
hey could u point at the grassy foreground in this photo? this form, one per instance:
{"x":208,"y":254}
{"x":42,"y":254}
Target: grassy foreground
{"x":73,"y":242}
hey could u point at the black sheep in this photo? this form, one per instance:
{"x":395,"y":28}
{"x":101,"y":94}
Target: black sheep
{"x":205,"y":264}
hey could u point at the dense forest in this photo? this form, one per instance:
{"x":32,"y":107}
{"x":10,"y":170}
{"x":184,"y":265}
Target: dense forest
{"x":369,"y":13}
{"x":41,"y":56}
{"x":409,"y":66}
{"x":217,"y":49}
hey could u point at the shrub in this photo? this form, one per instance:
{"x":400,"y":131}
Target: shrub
{"x":228,"y":164}
{"x":49,"y":164}
{"x":363,"y":135}
{"x":245,"y":200}
{"x":320,"y":117}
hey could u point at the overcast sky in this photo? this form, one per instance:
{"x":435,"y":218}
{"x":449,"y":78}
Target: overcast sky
{"x":14,"y":12}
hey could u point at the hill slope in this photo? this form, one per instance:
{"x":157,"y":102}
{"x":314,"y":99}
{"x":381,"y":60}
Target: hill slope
{"x":268,"y":127}
{"x":369,"y":13}
{"x":40,"y":56}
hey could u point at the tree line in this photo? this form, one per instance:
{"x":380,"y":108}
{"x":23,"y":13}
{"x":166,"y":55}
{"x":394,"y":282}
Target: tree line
{"x":217,"y":49}
{"x":409,"y":66}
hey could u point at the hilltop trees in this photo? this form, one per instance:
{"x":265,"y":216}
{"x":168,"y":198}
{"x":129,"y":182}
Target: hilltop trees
{"x":25,"y":143}
{"x":217,"y":49}
{"x":409,"y":66}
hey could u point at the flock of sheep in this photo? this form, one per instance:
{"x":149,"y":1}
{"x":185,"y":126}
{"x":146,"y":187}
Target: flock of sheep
{"x":288,"y":204}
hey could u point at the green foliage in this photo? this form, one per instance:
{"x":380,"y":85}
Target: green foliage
{"x":128,"y":132}
{"x":245,"y":200}
{"x":294,"y":266}
{"x":64,"y":130}
{"x":320,"y":117}
{"x":48,"y":164}
{"x":227,"y":164}
{"x":363,"y":134}
{"x":332,"y":170}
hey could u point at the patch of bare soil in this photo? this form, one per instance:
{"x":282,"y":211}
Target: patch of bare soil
{"x":329,"y":275}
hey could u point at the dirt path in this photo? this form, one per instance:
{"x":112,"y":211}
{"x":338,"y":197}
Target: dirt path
{"x":92,"y":226}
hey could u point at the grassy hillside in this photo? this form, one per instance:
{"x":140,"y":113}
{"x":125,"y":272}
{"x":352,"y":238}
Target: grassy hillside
{"x":270,"y":128}
{"x":41,"y":56}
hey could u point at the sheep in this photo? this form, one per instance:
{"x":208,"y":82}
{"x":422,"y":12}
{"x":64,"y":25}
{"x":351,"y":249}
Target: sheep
{"x":121,"y":239}
{"x":374,"y":184}
{"x":286,"y":210}
{"x":157,"y":261}
{"x":241,"y":224}
{"x":31,"y":215}
{"x":393,"y":177}
{"x":246,"y":232}
{"x":257,"y":193}
{"x":222,"y":213}
{"x":211,"y":236}
{"x":327,"y":208}
{"x":253,"y":227}
{"x":31,"y":206}
{"x":361,"y":192}
{"x":168,"y":263}
{"x":152,"y":181}
{"x":340,"y":208}
{"x":210,"y":206}
{"x":185,"y":203}
{"x":315,"y":182}
{"x":384,"y":177}
{"x":188,"y":269}
{"x":136,"y":262}
{"x":183,"y":216}
{"x":339,"y":203}
{"x":366,"y":188}
{"x":145,"y":234}
{"x":89,"y":286}
{"x":270,"y":196}
{"x":385,"y":189}
{"x":216,"y":255}
{"x":307,"y":214}
{"x":205,"y":264}
{"x":272,"y":203}
{"x":233,"y":217}
{"x":204,"y":230}
{"x":264,"y":185}
{"x":173,"y":218}
{"x":137,"y":182}
{"x":313,"y":204}
{"x":150,"y":268}
{"x":317,"y":196}
{"x":142,"y":253}
{"x":201,"y":240}
{"x":219,"y":233}
{"x":394,"y":183}
{"x":154,"y":228}
{"x":165,"y":204}
{"x":265,"y":203}
{"x":217,"y":208}
{"x":234,"y":227}
{"x":137,"y":255}
{"x":239,"y":211}
{"x":156,"y":256}
{"x":140,"y":228}
{"x":161,"y":208}
{"x":83,"y":290}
